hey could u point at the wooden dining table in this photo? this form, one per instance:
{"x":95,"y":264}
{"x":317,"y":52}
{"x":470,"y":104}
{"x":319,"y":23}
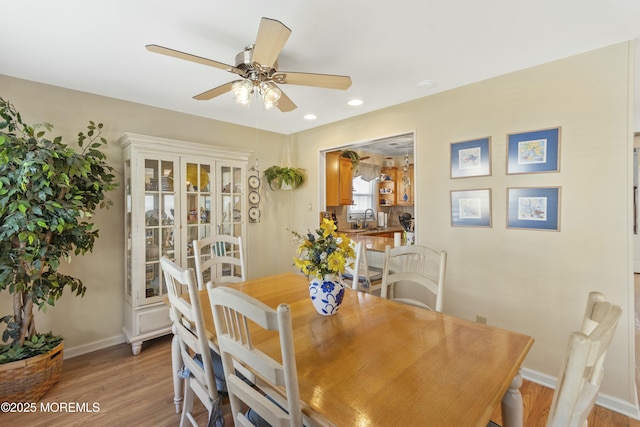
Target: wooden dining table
{"x":381,"y":363}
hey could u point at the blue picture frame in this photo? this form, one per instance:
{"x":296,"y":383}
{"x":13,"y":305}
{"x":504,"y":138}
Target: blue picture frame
{"x":534,"y":208}
{"x":534,"y":152}
{"x":471,"y":208}
{"x":471,"y":158}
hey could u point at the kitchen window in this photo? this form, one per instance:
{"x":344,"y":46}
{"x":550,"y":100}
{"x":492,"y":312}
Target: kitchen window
{"x":363,"y":199}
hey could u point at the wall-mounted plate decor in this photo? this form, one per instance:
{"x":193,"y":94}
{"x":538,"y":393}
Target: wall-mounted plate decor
{"x":534,"y":152}
{"x":254,"y":181}
{"x":254,"y":214}
{"x":254,"y":197}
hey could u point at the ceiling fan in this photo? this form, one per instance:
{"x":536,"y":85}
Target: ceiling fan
{"x":257,"y":65}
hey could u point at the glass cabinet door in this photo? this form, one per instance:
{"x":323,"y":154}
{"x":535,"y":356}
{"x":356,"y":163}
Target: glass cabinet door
{"x":232,"y":207}
{"x":128,"y":229}
{"x":159,"y":222}
{"x":198,"y":187}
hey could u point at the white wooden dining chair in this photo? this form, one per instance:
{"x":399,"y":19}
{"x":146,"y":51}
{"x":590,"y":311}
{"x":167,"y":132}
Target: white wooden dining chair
{"x":368,"y":279}
{"x":190,"y":340}
{"x":583,"y":366}
{"x":275,"y":396}
{"x":414,"y":275}
{"x":219,"y":259}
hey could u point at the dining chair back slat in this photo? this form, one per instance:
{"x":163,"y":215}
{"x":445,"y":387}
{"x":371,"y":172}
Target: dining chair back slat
{"x":583,"y":367}
{"x":368,"y":279}
{"x":189,"y":330}
{"x":219,"y":259}
{"x":233,"y":311}
{"x":414,"y":275}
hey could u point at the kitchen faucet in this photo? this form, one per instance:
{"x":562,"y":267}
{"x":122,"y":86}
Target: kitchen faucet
{"x":364,"y":223}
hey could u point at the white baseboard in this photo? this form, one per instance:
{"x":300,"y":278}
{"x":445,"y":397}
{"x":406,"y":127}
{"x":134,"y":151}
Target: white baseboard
{"x":94,"y":346}
{"x":612,"y":403}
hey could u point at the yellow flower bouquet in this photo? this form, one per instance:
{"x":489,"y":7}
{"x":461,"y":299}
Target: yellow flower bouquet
{"x":324,"y":253}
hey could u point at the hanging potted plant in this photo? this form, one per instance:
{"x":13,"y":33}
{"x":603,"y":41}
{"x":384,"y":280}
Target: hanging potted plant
{"x":48,"y":195}
{"x":355,"y":160}
{"x":353,"y":156}
{"x":284,"y":177}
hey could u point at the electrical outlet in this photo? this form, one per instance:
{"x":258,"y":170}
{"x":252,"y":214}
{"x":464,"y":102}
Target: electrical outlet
{"x":481,"y":319}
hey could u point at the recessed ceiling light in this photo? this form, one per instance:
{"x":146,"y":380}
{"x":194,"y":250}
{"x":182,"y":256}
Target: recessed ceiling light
{"x":310,"y":116}
{"x":355,"y":102}
{"x":425,"y":83}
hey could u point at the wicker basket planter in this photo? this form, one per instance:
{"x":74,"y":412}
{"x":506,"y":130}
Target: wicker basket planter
{"x":29,"y":379}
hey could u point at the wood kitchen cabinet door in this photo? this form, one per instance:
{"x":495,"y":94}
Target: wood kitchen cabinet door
{"x":339,"y":182}
{"x":346,"y":182}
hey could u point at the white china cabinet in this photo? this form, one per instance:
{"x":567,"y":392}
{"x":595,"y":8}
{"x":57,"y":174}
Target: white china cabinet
{"x":175,"y":192}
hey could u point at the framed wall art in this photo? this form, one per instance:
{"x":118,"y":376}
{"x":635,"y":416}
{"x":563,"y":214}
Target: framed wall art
{"x":471,"y":208}
{"x":471,"y":158}
{"x":534,"y":208}
{"x":533,"y":152}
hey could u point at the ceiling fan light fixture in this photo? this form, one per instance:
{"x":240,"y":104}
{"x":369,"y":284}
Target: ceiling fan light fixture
{"x":270,"y":93}
{"x":268,"y":105}
{"x":242,"y":91}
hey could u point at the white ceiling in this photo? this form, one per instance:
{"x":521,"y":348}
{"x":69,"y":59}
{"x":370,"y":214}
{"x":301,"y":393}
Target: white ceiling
{"x":386,"y":47}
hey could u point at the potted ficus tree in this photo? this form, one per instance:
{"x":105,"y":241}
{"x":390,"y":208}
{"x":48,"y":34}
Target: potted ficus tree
{"x":49,"y":192}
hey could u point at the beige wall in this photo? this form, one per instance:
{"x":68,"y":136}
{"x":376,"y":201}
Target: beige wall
{"x":96,"y":320}
{"x":535,"y":282}
{"x":529,"y":281}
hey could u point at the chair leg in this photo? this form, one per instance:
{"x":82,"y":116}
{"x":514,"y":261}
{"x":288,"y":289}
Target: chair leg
{"x":178,"y":383}
{"x":187,"y":405}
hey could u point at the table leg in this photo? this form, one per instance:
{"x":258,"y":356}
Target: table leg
{"x":176,"y":365}
{"x":512,"y":407}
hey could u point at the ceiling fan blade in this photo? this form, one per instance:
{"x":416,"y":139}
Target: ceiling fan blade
{"x":310,"y":79}
{"x":216,"y":91}
{"x":193,"y":58}
{"x":285,"y":104}
{"x":272,"y":35}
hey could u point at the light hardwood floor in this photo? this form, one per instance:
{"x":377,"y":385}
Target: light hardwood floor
{"x":138,"y":391}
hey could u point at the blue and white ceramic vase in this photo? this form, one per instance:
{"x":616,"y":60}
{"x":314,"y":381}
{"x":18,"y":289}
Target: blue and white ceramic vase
{"x":326,"y":294}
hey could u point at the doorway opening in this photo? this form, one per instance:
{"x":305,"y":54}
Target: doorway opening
{"x":390,"y":158}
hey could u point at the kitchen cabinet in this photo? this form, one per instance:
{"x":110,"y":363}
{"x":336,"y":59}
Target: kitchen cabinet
{"x":387,"y":187}
{"x":405,"y":187}
{"x":175,"y":192}
{"x":339,"y":180}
